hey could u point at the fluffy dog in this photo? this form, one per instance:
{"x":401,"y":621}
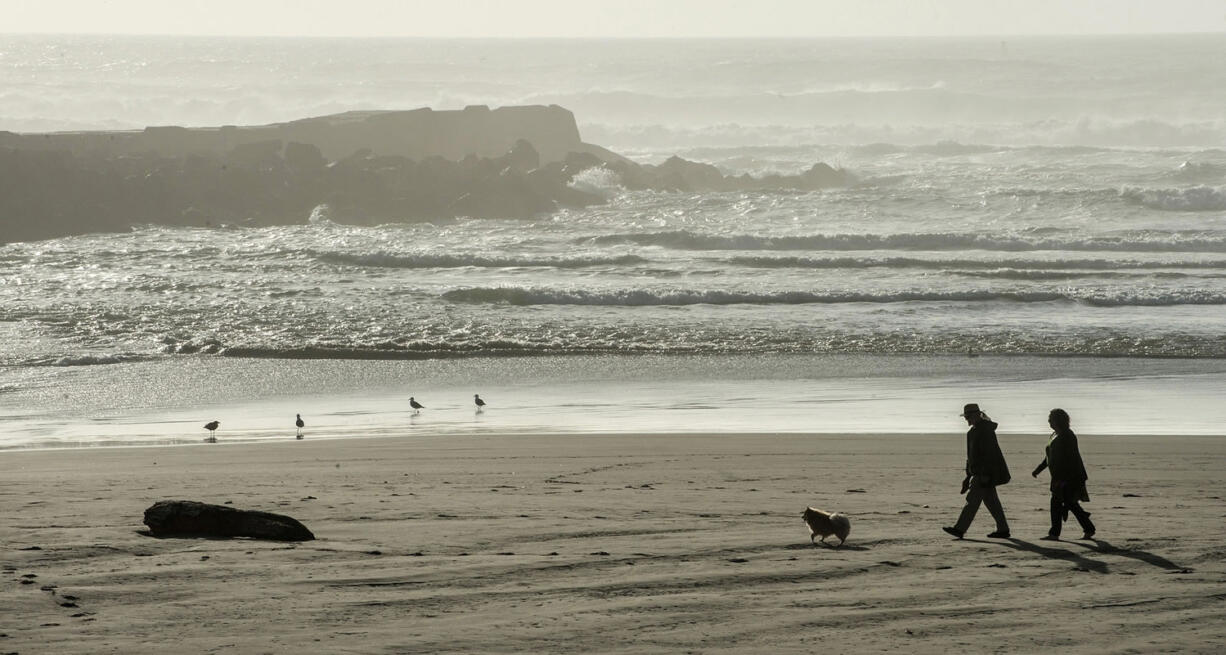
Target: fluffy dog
{"x":826,"y":524}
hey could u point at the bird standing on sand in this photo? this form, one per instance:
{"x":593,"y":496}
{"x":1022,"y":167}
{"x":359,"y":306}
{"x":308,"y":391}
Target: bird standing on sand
{"x":477,"y":400}
{"x":212,"y":426}
{"x":417,"y":407}
{"x":299,"y":422}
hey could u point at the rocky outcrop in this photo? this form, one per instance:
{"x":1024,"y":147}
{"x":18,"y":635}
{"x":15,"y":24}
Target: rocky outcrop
{"x":416,"y":134}
{"x":362,"y":167}
{"x":677,"y":174}
{"x":188,"y":518}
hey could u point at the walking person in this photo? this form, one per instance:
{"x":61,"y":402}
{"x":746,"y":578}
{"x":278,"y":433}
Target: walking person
{"x":1068,"y":477}
{"x":985,"y":470}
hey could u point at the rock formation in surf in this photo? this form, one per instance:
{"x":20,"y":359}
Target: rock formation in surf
{"x":368,"y":168}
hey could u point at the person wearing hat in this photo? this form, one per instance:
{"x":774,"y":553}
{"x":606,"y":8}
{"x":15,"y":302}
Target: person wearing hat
{"x":1068,"y":477}
{"x":985,"y":470}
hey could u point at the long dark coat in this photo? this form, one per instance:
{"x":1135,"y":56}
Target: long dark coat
{"x":1063,"y":458}
{"x":984,"y":459}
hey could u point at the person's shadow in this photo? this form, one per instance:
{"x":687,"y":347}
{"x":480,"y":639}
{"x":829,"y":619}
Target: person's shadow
{"x":1084,"y":563}
{"x":1097,"y":545}
{"x":1106,"y":548}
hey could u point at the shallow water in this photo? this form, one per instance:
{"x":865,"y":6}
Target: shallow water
{"x":168,"y":401}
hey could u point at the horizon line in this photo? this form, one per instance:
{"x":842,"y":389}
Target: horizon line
{"x":811,"y":37}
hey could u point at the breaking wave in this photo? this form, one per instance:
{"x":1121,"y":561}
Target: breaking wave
{"x":1194,"y":199}
{"x":681,"y":297}
{"x":1150,"y":241}
{"x":961,"y":263}
{"x":89,"y":360}
{"x":599,"y":180}
{"x":1053,"y":274}
{"x":388,"y":260}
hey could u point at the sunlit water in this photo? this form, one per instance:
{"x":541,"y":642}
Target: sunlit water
{"x":1036,"y":222}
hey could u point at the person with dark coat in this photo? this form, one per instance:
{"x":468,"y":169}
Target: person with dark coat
{"x":985,"y":470}
{"x":1068,"y":477}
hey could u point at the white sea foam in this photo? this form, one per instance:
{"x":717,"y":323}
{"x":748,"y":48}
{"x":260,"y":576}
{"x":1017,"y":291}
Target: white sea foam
{"x":320,"y":215}
{"x":681,"y":297}
{"x":1194,"y":199}
{"x":601,"y":181}
{"x":392,"y":260}
{"x":1148,"y":241}
{"x":1063,"y":263}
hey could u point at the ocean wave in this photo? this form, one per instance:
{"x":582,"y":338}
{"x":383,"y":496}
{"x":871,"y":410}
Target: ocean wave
{"x":707,"y":340}
{"x":956,"y":263}
{"x":870,"y":344}
{"x":89,"y":360}
{"x":1193,"y":199}
{"x":1053,"y":274}
{"x":523,"y":296}
{"x":1202,"y":172}
{"x":388,"y":260}
{"x":1153,"y":241}
{"x":898,"y":132}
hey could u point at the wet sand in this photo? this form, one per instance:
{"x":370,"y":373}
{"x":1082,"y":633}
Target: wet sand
{"x":624,"y":543}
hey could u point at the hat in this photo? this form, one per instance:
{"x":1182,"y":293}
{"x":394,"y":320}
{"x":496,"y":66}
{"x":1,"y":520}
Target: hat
{"x":970,"y":409}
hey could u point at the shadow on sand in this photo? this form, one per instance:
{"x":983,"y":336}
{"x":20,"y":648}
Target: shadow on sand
{"x":1095,"y":545}
{"x":825,"y":546}
{"x":1106,"y":548}
{"x":1051,"y":553}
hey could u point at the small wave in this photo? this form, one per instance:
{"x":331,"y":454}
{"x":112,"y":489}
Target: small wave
{"x":943,"y":264}
{"x":687,"y":240}
{"x":1194,"y":199}
{"x":386,"y":260}
{"x":1047,"y":275}
{"x":954,"y":148}
{"x":680,"y":297}
{"x":1191,"y":171}
{"x":89,"y":360}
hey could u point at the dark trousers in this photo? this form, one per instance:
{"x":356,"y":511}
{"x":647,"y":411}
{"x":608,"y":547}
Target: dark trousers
{"x":985,"y":495}
{"x":1064,"y":500}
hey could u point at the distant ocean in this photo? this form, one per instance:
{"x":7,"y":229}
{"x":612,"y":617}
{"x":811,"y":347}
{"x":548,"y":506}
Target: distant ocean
{"x":1037,"y":221}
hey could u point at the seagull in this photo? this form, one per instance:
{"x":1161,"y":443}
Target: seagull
{"x":417,"y":407}
{"x":477,"y":399}
{"x":211,"y":426}
{"x":300,"y":425}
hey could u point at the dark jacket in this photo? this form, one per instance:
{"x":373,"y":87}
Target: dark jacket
{"x":984,"y":460}
{"x":1064,"y":460}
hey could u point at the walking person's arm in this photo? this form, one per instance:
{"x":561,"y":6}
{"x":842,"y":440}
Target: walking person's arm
{"x":1039,"y":469}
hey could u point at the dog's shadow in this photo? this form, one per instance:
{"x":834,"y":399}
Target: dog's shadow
{"x":821,"y":546}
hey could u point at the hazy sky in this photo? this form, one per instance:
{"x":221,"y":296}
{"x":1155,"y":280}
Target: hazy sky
{"x":612,"y":18}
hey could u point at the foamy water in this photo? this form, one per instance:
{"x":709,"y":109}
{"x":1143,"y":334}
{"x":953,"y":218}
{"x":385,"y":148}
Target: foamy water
{"x":1054,"y":198}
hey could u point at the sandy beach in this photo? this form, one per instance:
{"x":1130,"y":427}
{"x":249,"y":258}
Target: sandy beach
{"x":623,"y":543}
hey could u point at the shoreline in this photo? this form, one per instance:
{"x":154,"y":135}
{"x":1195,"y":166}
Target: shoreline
{"x":256,"y":400}
{"x":618,"y":543}
{"x":231,"y":443}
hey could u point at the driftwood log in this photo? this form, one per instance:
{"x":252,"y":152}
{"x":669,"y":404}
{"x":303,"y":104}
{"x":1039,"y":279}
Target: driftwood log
{"x":183,"y":518}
